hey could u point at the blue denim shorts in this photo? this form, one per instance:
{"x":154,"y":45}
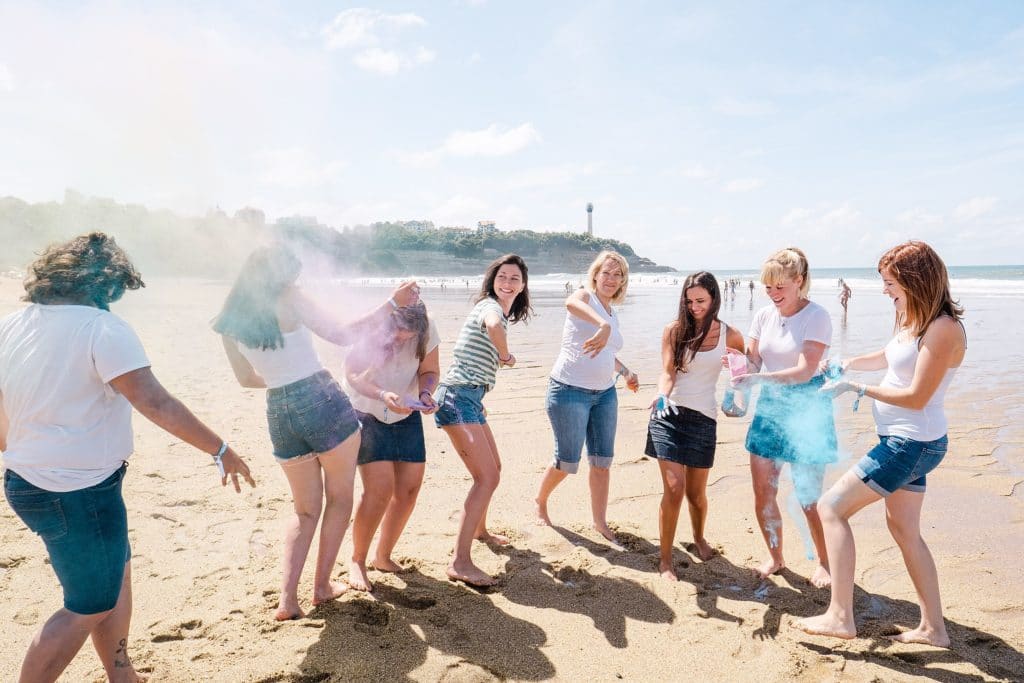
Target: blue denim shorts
{"x":687,"y":438}
{"x":309,"y":417}
{"x":794,"y":423}
{"x":582,"y":415}
{"x":459,"y":404}
{"x":400,"y":441}
{"x":86,"y":536}
{"x":900,"y":463}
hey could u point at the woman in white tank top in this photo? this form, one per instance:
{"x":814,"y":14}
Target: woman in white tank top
{"x":683,"y":428}
{"x":920,"y":362}
{"x":267,"y":326}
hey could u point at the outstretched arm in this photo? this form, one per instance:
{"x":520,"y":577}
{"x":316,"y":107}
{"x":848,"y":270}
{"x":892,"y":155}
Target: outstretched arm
{"x":149,"y":397}
{"x":326,"y":325}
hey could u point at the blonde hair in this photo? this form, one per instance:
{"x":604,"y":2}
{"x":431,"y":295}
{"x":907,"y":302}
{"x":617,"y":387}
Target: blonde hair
{"x":921,"y":273}
{"x":787,"y":264}
{"x":595,"y":267}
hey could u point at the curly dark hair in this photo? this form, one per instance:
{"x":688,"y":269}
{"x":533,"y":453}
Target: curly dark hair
{"x":91,"y":270}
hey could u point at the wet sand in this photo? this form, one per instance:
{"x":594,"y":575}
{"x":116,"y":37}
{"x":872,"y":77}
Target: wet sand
{"x":568,"y":605}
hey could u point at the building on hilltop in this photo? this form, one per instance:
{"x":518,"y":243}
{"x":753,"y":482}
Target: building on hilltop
{"x":486,"y":227}
{"x":418,"y":226}
{"x":590,"y":218}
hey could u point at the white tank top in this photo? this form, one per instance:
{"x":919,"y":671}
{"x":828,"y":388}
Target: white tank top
{"x":695,"y":388}
{"x":926,"y":424}
{"x":577,"y":369}
{"x":295,"y":360}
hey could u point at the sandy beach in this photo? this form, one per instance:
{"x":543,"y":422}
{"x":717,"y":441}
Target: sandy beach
{"x":568,"y":605}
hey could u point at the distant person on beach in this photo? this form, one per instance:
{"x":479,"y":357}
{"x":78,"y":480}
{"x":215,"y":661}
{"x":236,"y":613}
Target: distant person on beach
{"x":390,"y":376}
{"x":582,"y":403}
{"x":793,"y":422}
{"x":683,"y":428}
{"x":481,"y":348}
{"x":751,"y":289}
{"x":70,"y":373}
{"x":920,"y":362}
{"x":267,"y":325}
{"x":844,"y":294}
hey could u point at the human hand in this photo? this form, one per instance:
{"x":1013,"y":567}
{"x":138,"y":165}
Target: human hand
{"x":426,"y":399}
{"x":509,"y":361}
{"x":394,"y":403}
{"x":746,"y":381}
{"x":836,"y":388}
{"x":406,"y":294}
{"x":233,"y":466}
{"x":662,"y":406}
{"x":832,"y":368}
{"x":633,"y":382}
{"x":593,"y":346}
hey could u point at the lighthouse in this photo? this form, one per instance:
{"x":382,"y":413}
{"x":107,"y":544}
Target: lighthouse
{"x":590,"y":218}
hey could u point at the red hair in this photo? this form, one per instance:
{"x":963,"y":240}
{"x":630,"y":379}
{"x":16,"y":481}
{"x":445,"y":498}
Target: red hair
{"x":921,"y":273}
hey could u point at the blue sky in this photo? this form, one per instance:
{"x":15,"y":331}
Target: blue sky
{"x":706,"y":134}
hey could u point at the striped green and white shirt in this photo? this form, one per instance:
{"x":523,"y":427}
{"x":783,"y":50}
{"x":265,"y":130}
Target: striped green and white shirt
{"x":474,"y":358}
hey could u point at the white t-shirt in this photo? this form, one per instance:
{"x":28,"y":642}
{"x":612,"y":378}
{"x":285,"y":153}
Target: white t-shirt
{"x":295,"y":359}
{"x":695,"y":388}
{"x":68,"y":428}
{"x":576,"y":368}
{"x":928,"y":423}
{"x":398,"y":374}
{"x":781,"y":339}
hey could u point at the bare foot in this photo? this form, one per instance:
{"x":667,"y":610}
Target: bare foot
{"x":496,"y":539}
{"x":923,"y":636}
{"x":667,"y":571}
{"x":288,"y":612}
{"x":470,"y":574}
{"x":358,"y":579}
{"x":704,"y":550}
{"x":386,"y":564}
{"x":828,"y":625}
{"x":605,"y":531}
{"x":334,"y":589}
{"x":769,"y":567}
{"x":541,"y":510}
{"x":821,"y":578}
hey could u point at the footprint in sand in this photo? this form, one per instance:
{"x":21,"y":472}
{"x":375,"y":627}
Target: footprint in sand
{"x":370,"y":617}
{"x":26,"y":617}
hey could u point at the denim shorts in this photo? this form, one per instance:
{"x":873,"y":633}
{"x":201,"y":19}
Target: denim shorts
{"x":900,"y":463}
{"x":459,"y":404}
{"x":86,"y":536}
{"x":582,"y":415}
{"x":309,"y":417}
{"x":794,"y":423}
{"x":687,"y":438}
{"x":400,"y":441}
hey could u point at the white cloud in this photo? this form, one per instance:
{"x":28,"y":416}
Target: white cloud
{"x":695,"y":171}
{"x":390,"y":62}
{"x":743,"y":184}
{"x":460,"y":209}
{"x":549,"y":176}
{"x":842,"y":216}
{"x":359,"y":27}
{"x":295,"y":168}
{"x":796,"y":216}
{"x":918,"y":218}
{"x":974,"y":208}
{"x":493,"y":141}
{"x":6,"y":79}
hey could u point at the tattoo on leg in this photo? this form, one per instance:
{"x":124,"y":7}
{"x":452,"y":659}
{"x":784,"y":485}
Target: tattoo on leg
{"x":121,"y":660}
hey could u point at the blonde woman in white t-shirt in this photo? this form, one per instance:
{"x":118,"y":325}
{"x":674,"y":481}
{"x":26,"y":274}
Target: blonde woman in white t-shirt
{"x":793,"y":422}
{"x":682,"y":432}
{"x":390,"y":377}
{"x":582,"y":403}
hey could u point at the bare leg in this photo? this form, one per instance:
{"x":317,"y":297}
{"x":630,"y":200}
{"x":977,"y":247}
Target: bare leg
{"x":673,"y":478}
{"x":903,"y":515}
{"x":600,"y":479}
{"x":56,"y":644}
{"x":408,"y":479}
{"x":697,"y":500}
{"x":110,"y":636}
{"x":765,"y":476}
{"x":472,"y":445}
{"x":306,"y":484}
{"x":808,"y":480}
{"x":482,"y":534}
{"x":339,"y":466}
{"x":552,"y":478}
{"x":378,"y":487}
{"x":848,"y":496}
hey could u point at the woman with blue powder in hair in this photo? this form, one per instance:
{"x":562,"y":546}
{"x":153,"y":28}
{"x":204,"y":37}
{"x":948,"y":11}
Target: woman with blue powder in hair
{"x":683,"y":428}
{"x":793,"y":422}
{"x":582,"y":403}
{"x":267,"y":326}
{"x":70,"y":373}
{"x":390,"y":377}
{"x":481,"y":348}
{"x":919,"y":363}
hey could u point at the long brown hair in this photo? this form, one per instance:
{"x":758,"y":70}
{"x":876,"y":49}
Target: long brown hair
{"x":921,"y":273}
{"x":521,"y":309}
{"x":687,"y":336}
{"x":411,"y":318}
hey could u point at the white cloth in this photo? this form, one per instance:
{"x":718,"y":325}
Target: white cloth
{"x":781,"y":339}
{"x":927,"y":424}
{"x":398,"y":374}
{"x":695,"y":388}
{"x":578,"y":369}
{"x":295,"y":360}
{"x":69,"y":429}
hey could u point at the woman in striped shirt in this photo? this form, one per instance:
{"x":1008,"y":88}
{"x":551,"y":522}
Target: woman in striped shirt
{"x":482,"y":347}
